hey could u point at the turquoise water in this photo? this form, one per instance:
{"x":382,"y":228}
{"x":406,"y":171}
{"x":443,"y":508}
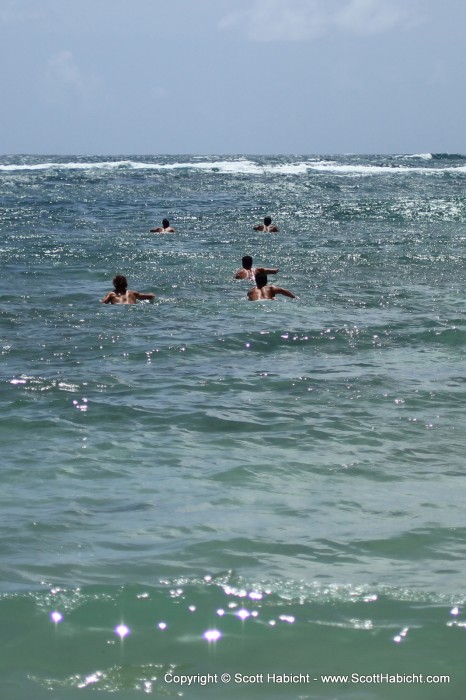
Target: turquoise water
{"x":287,"y":477}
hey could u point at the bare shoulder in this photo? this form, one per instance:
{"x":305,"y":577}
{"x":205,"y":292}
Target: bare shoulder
{"x":156,"y":230}
{"x":108,"y":298}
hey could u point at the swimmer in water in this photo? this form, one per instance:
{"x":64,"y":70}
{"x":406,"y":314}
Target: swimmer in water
{"x":122,"y":295}
{"x":267,"y":226}
{"x":247,"y":272}
{"x":165,"y":228}
{"x":262,"y":290}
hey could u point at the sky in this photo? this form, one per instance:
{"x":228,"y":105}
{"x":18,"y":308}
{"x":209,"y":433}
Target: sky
{"x":148,"y":77}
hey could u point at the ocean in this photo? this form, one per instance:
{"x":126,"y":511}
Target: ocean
{"x":206,"y":497}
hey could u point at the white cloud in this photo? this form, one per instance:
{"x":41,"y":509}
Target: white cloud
{"x":276,"y":20}
{"x":64,"y":82}
{"x":370,"y":16}
{"x":12,"y":11}
{"x":297,"y":20}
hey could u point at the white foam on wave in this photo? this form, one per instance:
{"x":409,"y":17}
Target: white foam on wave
{"x":361,"y":170}
{"x":419,"y":156}
{"x":104,"y":165}
{"x":99,"y":165}
{"x":240,"y":166}
{"x":347,"y":169}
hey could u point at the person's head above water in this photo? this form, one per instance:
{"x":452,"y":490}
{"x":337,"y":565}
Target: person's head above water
{"x":120,"y":283}
{"x":268,"y":220}
{"x":260,"y":277}
{"x":247,"y":262}
{"x":165,"y":223}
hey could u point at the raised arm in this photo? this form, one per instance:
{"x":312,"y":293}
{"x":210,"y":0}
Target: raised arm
{"x":285,"y":292}
{"x":144,"y":297}
{"x":271,"y":270}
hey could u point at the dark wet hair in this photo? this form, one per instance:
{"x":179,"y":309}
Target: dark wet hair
{"x":120,"y":282}
{"x":165,"y":223}
{"x":260,"y":277}
{"x":247,"y":262}
{"x":267,"y":220}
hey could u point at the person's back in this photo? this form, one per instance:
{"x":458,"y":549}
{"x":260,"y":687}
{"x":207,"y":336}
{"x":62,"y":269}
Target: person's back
{"x":267,"y":226}
{"x":263,"y":290}
{"x":257,"y":293}
{"x":127,"y":297}
{"x":247,"y":272}
{"x":122,"y":295}
{"x":165,"y":228}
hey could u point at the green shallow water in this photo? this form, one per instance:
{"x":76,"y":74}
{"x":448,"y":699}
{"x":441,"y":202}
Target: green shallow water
{"x":269,"y":643}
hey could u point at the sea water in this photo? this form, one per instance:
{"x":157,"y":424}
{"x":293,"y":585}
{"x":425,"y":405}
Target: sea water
{"x":205,"y":497}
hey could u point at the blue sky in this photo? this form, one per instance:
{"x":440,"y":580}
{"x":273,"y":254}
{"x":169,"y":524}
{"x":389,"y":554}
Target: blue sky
{"x":232,"y":76}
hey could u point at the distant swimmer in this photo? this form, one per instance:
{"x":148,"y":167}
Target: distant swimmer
{"x":262,"y":290}
{"x":247,"y":272}
{"x":164,"y":228}
{"x":122,"y":295}
{"x":267,"y":226}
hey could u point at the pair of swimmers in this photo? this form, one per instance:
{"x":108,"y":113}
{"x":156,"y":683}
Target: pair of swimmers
{"x":266,"y":226}
{"x":262,"y":290}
